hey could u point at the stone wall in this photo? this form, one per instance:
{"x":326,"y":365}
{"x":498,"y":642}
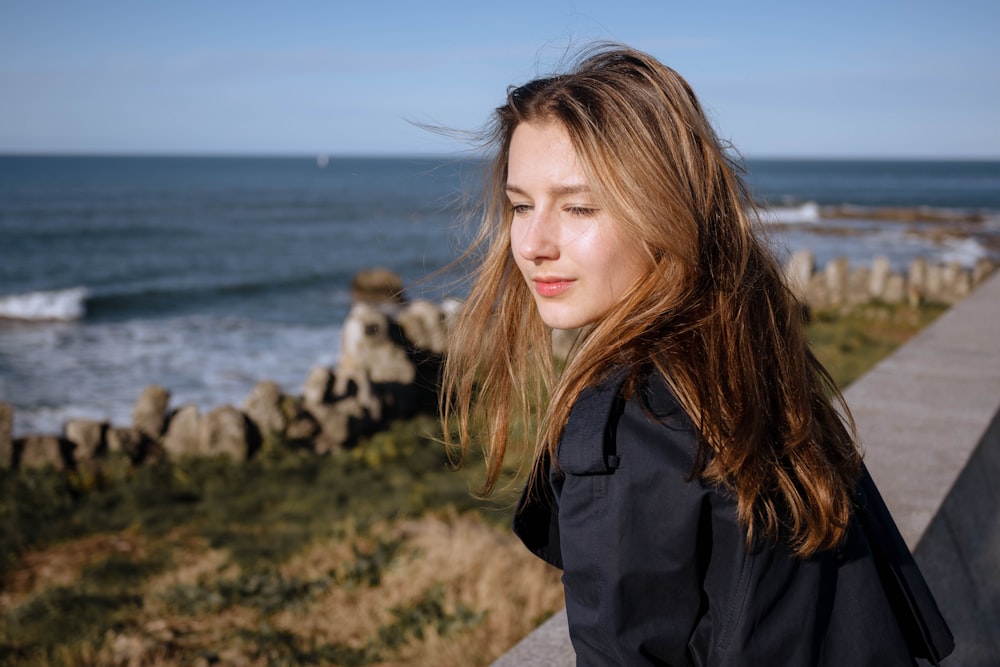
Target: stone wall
{"x":839,"y":284}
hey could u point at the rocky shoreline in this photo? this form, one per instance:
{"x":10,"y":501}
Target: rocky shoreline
{"x":391,"y":356}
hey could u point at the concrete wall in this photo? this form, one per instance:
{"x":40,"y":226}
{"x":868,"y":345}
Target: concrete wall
{"x":928,"y":417}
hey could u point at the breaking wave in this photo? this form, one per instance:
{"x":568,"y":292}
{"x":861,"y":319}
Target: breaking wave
{"x":58,"y":305}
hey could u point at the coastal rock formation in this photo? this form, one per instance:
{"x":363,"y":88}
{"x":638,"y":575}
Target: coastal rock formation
{"x":377,"y":286}
{"x":424,"y":326}
{"x":263,"y":407}
{"x":183,"y":433}
{"x":840,"y":285}
{"x":128,"y":440}
{"x":227,"y":432}
{"x":41,"y":451}
{"x":799,"y":270}
{"x":341,"y":423}
{"x":149,"y":415}
{"x":88,"y":436}
{"x":318,"y":388}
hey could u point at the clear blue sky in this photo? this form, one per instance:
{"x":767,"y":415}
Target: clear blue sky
{"x":892,"y":78}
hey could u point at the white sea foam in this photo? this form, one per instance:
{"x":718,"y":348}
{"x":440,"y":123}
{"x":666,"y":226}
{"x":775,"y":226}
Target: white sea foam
{"x":805,"y":213}
{"x":965,"y":251}
{"x":56,"y":371}
{"x":59,"y":305}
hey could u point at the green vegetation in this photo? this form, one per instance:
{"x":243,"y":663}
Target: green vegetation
{"x":192,"y":559}
{"x":852,"y":342}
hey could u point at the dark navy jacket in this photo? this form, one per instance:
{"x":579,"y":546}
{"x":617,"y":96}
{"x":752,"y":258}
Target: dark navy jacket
{"x":656,"y":571}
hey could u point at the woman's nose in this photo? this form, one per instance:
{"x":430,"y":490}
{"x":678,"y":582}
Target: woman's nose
{"x":535,"y":237}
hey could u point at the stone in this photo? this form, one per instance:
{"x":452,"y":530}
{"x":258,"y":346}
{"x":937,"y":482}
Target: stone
{"x":798,"y":270}
{"x":128,"y":440}
{"x":377,"y":286}
{"x":41,"y":451}
{"x":423,"y":324}
{"x":879,"y":279}
{"x":263,"y":407}
{"x":917,"y":279}
{"x":6,"y":436}
{"x":373,"y":359}
{"x":955,"y":282}
{"x":981,"y":270}
{"x":183,"y":436}
{"x":341,"y":424}
{"x":226,"y":431}
{"x":817,"y":293}
{"x":150,"y":412}
{"x":318,"y":387}
{"x":894,"y":290}
{"x":302,"y":429}
{"x":89,"y":436}
{"x":934,"y":285}
{"x":858,"y":282}
{"x":837,"y":273}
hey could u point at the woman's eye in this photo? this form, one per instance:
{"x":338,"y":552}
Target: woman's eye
{"x":520,"y":209}
{"x":582,"y":211}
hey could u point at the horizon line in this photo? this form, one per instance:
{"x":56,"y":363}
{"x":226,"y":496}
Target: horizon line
{"x":467,"y":154}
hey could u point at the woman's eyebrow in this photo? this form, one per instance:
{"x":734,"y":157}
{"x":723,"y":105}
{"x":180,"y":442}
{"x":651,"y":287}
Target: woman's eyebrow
{"x":558,"y":190}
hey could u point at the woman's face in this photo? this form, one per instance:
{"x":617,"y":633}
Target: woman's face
{"x":575,"y":257}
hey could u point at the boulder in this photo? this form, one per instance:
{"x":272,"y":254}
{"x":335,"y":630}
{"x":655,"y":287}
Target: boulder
{"x":981,"y":270}
{"x":89,"y":436}
{"x":818,"y":293}
{"x":879,"y":279}
{"x":858,"y":282}
{"x":128,"y":440}
{"x":423,"y":324}
{"x":41,"y":451}
{"x":318,"y":388}
{"x":6,"y":436}
{"x":916,"y":280}
{"x":183,"y":433}
{"x":798,"y":270}
{"x":955,"y":283}
{"x":302,"y":429}
{"x":150,"y":412}
{"x":341,"y":424}
{"x":894,"y":290}
{"x":227,"y":432}
{"x":377,"y":286}
{"x":935,"y":283}
{"x":374,"y":359}
{"x":837,"y":274}
{"x":263,"y":407}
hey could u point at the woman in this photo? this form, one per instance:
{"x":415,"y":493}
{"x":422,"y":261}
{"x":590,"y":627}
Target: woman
{"x":691,"y":475}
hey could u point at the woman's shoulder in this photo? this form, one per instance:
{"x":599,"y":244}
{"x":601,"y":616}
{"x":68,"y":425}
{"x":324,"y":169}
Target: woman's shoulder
{"x":627,"y":414}
{"x":646,"y":386}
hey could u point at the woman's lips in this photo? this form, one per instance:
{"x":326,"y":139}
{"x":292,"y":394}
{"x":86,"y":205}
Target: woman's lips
{"x":552,"y":287}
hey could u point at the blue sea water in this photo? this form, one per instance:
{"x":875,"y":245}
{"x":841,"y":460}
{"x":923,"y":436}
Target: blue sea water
{"x":206,"y":275}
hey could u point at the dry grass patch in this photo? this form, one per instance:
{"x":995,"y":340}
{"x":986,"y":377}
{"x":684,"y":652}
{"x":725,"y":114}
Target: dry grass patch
{"x":468,"y":564}
{"x":62,"y":564}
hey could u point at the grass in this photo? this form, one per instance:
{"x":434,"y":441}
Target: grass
{"x":852,"y":342}
{"x":376,"y":556}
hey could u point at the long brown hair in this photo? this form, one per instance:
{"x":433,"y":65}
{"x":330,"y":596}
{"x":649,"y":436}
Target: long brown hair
{"x":713,"y":316}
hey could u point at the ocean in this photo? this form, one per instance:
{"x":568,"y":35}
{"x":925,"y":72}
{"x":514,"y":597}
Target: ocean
{"x":207,"y":275}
